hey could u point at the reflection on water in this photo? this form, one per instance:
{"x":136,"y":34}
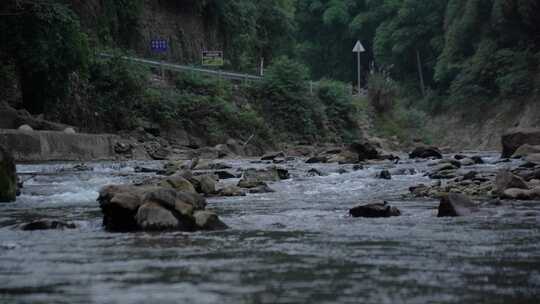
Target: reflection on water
{"x":296,"y":245}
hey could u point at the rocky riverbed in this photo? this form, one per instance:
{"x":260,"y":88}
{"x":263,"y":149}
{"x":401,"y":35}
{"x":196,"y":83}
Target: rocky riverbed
{"x":296,"y":243}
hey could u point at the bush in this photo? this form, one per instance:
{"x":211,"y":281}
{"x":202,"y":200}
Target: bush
{"x":118,"y":87}
{"x":196,"y":83}
{"x":338,"y":107}
{"x":286,"y":101}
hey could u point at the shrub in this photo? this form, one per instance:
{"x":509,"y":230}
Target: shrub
{"x":286,"y":101}
{"x":338,"y":107}
{"x":118,"y":88}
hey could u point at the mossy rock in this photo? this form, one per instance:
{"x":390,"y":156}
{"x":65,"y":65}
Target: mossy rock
{"x":8,"y":177}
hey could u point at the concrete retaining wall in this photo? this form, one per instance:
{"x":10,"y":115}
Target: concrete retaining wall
{"x":39,"y":146}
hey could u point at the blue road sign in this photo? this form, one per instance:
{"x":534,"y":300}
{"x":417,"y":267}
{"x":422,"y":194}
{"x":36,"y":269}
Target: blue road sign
{"x":159,"y":45}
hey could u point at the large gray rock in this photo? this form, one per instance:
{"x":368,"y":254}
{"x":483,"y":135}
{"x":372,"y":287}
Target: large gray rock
{"x":178,"y":183}
{"x":208,"y":220}
{"x":514,"y":138}
{"x":521,"y":194}
{"x":456,"y":204}
{"x":153,"y":216}
{"x":8,"y":177}
{"x":506,"y":179}
{"x":132,"y":208}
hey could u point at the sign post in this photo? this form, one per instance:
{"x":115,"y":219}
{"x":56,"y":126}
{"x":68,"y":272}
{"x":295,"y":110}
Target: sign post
{"x":212,"y":58}
{"x":159,"y":46}
{"x":358,"y":49}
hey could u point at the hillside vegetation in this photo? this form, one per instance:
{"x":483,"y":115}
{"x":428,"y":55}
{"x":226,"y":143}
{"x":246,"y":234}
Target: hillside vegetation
{"x":423,"y":56}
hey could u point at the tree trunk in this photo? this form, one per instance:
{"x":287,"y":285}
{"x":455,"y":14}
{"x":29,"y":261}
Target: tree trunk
{"x":420,"y":73}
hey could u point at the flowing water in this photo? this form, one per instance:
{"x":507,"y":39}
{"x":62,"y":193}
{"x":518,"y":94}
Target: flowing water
{"x":297,"y":245}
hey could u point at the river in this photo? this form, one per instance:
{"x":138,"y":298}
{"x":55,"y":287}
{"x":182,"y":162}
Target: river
{"x":297,"y":245}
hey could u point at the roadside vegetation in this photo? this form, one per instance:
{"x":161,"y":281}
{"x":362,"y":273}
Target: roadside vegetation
{"x":424,"y":57}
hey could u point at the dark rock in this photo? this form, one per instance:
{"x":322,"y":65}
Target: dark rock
{"x":384,"y":174}
{"x":139,"y":169}
{"x":419,"y":190}
{"x":459,"y":156}
{"x":375,"y":210}
{"x":515,"y":138}
{"x":225,"y":174}
{"x":317,"y":159}
{"x":477,"y":160}
{"x":456,"y":204}
{"x":8,"y":177}
{"x":365,"y":150}
{"x":47,"y":225}
{"x":426,"y":152}
{"x":470,"y":175}
{"x":315,"y":172}
{"x":506,"y":179}
{"x":358,"y":167}
{"x":342,"y":171}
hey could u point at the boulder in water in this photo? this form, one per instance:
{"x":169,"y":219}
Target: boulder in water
{"x":317,"y":159}
{"x":178,"y":183}
{"x":365,"y":150}
{"x":47,"y":225}
{"x":521,"y":194}
{"x":384,"y":174}
{"x":132,"y":208}
{"x":456,"y":204}
{"x":426,"y":152}
{"x":208,"y":220}
{"x":506,"y":179}
{"x":8,"y":177}
{"x":514,"y":138}
{"x":375,"y":210}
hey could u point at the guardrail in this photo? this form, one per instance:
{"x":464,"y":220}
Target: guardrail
{"x":185,"y":68}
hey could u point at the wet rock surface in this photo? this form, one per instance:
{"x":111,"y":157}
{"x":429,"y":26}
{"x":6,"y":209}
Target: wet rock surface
{"x":374,"y":210}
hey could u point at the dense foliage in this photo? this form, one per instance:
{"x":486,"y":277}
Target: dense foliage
{"x":421,"y":53}
{"x":464,"y":49}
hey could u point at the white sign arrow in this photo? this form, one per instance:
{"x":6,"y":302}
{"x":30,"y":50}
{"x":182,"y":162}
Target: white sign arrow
{"x":358,"y":47}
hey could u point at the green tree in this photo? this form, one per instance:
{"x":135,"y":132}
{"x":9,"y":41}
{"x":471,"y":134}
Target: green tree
{"x":45,"y":41}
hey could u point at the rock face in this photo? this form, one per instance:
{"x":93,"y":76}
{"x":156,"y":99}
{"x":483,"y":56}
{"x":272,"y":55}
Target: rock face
{"x":152,"y":208}
{"x":375,"y":210}
{"x":425,"y":152}
{"x":8,"y":177}
{"x":515,"y":138}
{"x":456,"y":204}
